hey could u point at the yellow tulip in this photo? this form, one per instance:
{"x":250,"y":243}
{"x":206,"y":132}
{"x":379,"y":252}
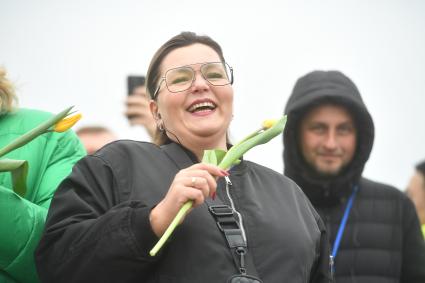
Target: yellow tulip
{"x":267,"y":124}
{"x":66,"y":123}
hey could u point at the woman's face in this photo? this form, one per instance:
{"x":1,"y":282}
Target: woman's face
{"x":203,"y":111}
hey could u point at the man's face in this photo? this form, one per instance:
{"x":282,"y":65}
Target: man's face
{"x":416,"y":192}
{"x":94,"y":141}
{"x":328,"y":139}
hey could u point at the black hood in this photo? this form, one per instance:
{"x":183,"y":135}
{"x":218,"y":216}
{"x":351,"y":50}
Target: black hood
{"x":311,"y":90}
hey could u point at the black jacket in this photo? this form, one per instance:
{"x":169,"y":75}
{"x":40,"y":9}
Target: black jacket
{"x":382,"y":240}
{"x":98,"y":225}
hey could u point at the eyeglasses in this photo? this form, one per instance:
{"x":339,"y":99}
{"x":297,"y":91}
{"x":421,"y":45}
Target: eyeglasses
{"x":182,"y":78}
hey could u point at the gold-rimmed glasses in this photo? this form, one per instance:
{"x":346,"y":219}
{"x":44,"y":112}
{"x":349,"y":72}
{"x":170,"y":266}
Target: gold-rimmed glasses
{"x":181,"y":78}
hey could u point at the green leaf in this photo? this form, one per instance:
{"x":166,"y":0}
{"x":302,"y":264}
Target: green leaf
{"x":246,"y":144}
{"x":19,"y":171}
{"x":213,"y":156}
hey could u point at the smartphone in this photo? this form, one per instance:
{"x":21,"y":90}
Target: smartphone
{"x":133,"y":82}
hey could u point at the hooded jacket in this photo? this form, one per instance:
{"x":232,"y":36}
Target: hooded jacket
{"x":381,"y":241}
{"x":312,"y":90}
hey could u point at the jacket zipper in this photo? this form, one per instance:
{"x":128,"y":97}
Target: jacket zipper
{"x":232,"y":204}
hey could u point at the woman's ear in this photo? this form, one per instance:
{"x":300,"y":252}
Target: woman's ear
{"x":153,"y":106}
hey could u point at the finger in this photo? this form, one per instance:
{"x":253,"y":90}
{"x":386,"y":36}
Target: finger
{"x":203,"y":175}
{"x":180,"y":194}
{"x":205,"y":171}
{"x":138,"y":107}
{"x":136,"y":112}
{"x":195,"y":195}
{"x":210,"y":183}
{"x":137,"y":121}
{"x":201,"y":184}
{"x":141,"y":92}
{"x":137,"y":99}
{"x":212,"y":169}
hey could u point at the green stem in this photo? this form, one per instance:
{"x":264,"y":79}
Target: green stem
{"x":235,"y":152}
{"x":248,"y":137}
{"x":171,"y":227}
{"x":29,"y":136}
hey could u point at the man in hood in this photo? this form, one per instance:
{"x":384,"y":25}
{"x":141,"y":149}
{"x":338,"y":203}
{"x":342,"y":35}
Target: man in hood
{"x":373,"y":228}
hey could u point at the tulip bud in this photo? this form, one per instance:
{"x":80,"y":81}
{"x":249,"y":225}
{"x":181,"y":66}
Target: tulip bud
{"x":267,"y":124}
{"x":66,"y":123}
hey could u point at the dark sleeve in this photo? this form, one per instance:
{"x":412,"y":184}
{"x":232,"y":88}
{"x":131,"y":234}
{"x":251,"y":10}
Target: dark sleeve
{"x":321,"y":270}
{"x":413,"y":258}
{"x":90,"y":235}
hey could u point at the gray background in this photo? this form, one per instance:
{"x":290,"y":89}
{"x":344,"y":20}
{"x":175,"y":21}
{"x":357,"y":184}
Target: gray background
{"x":62,"y":53}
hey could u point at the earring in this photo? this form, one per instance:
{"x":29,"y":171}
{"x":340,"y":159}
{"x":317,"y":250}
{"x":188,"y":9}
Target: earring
{"x":160,"y":127}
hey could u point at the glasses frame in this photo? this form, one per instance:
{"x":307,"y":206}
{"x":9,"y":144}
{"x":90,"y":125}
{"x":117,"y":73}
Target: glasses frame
{"x":155,"y":94}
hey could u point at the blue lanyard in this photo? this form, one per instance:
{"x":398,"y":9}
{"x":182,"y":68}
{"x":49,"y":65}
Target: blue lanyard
{"x":342,"y":225}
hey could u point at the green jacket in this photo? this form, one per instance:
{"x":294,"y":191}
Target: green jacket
{"x":51,"y":157}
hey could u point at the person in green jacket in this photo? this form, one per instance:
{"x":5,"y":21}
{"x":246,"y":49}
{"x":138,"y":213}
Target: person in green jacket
{"x":51,"y":157}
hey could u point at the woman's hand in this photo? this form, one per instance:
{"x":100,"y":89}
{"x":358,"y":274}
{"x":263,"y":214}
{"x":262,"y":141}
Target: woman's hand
{"x":195,"y":183}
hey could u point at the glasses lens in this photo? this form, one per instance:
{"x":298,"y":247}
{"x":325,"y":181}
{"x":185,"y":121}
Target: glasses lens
{"x":216,"y":73}
{"x":179,"y":79}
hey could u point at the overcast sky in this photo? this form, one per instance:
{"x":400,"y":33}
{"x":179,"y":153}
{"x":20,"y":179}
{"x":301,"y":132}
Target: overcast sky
{"x":79,"y":52}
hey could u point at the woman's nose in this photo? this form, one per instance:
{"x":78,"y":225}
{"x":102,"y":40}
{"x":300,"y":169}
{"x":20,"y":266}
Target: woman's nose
{"x":199,"y":83}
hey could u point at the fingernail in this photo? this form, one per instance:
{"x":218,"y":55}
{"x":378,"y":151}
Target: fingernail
{"x":225,"y":173}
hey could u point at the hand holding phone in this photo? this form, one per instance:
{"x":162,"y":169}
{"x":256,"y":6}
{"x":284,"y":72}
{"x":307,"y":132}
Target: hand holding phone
{"x":134,"y":83}
{"x":137,"y":105}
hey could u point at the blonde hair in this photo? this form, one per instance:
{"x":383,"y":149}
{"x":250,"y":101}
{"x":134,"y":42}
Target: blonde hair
{"x":7,"y":93}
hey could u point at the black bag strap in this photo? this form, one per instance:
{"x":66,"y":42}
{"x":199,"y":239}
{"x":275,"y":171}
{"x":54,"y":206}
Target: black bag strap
{"x":177,"y":154}
{"x":228,"y":224}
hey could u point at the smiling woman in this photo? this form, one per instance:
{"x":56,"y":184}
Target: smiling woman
{"x":109,"y":213}
{"x":197,"y":100}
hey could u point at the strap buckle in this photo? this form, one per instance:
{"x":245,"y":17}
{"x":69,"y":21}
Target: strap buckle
{"x":220,"y":210}
{"x":224,"y":217}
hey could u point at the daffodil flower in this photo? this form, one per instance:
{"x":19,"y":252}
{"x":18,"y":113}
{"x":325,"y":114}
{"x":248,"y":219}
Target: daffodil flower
{"x":224,"y":160}
{"x":19,"y":168}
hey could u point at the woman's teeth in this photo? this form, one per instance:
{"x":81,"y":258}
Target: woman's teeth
{"x":201,"y":106}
